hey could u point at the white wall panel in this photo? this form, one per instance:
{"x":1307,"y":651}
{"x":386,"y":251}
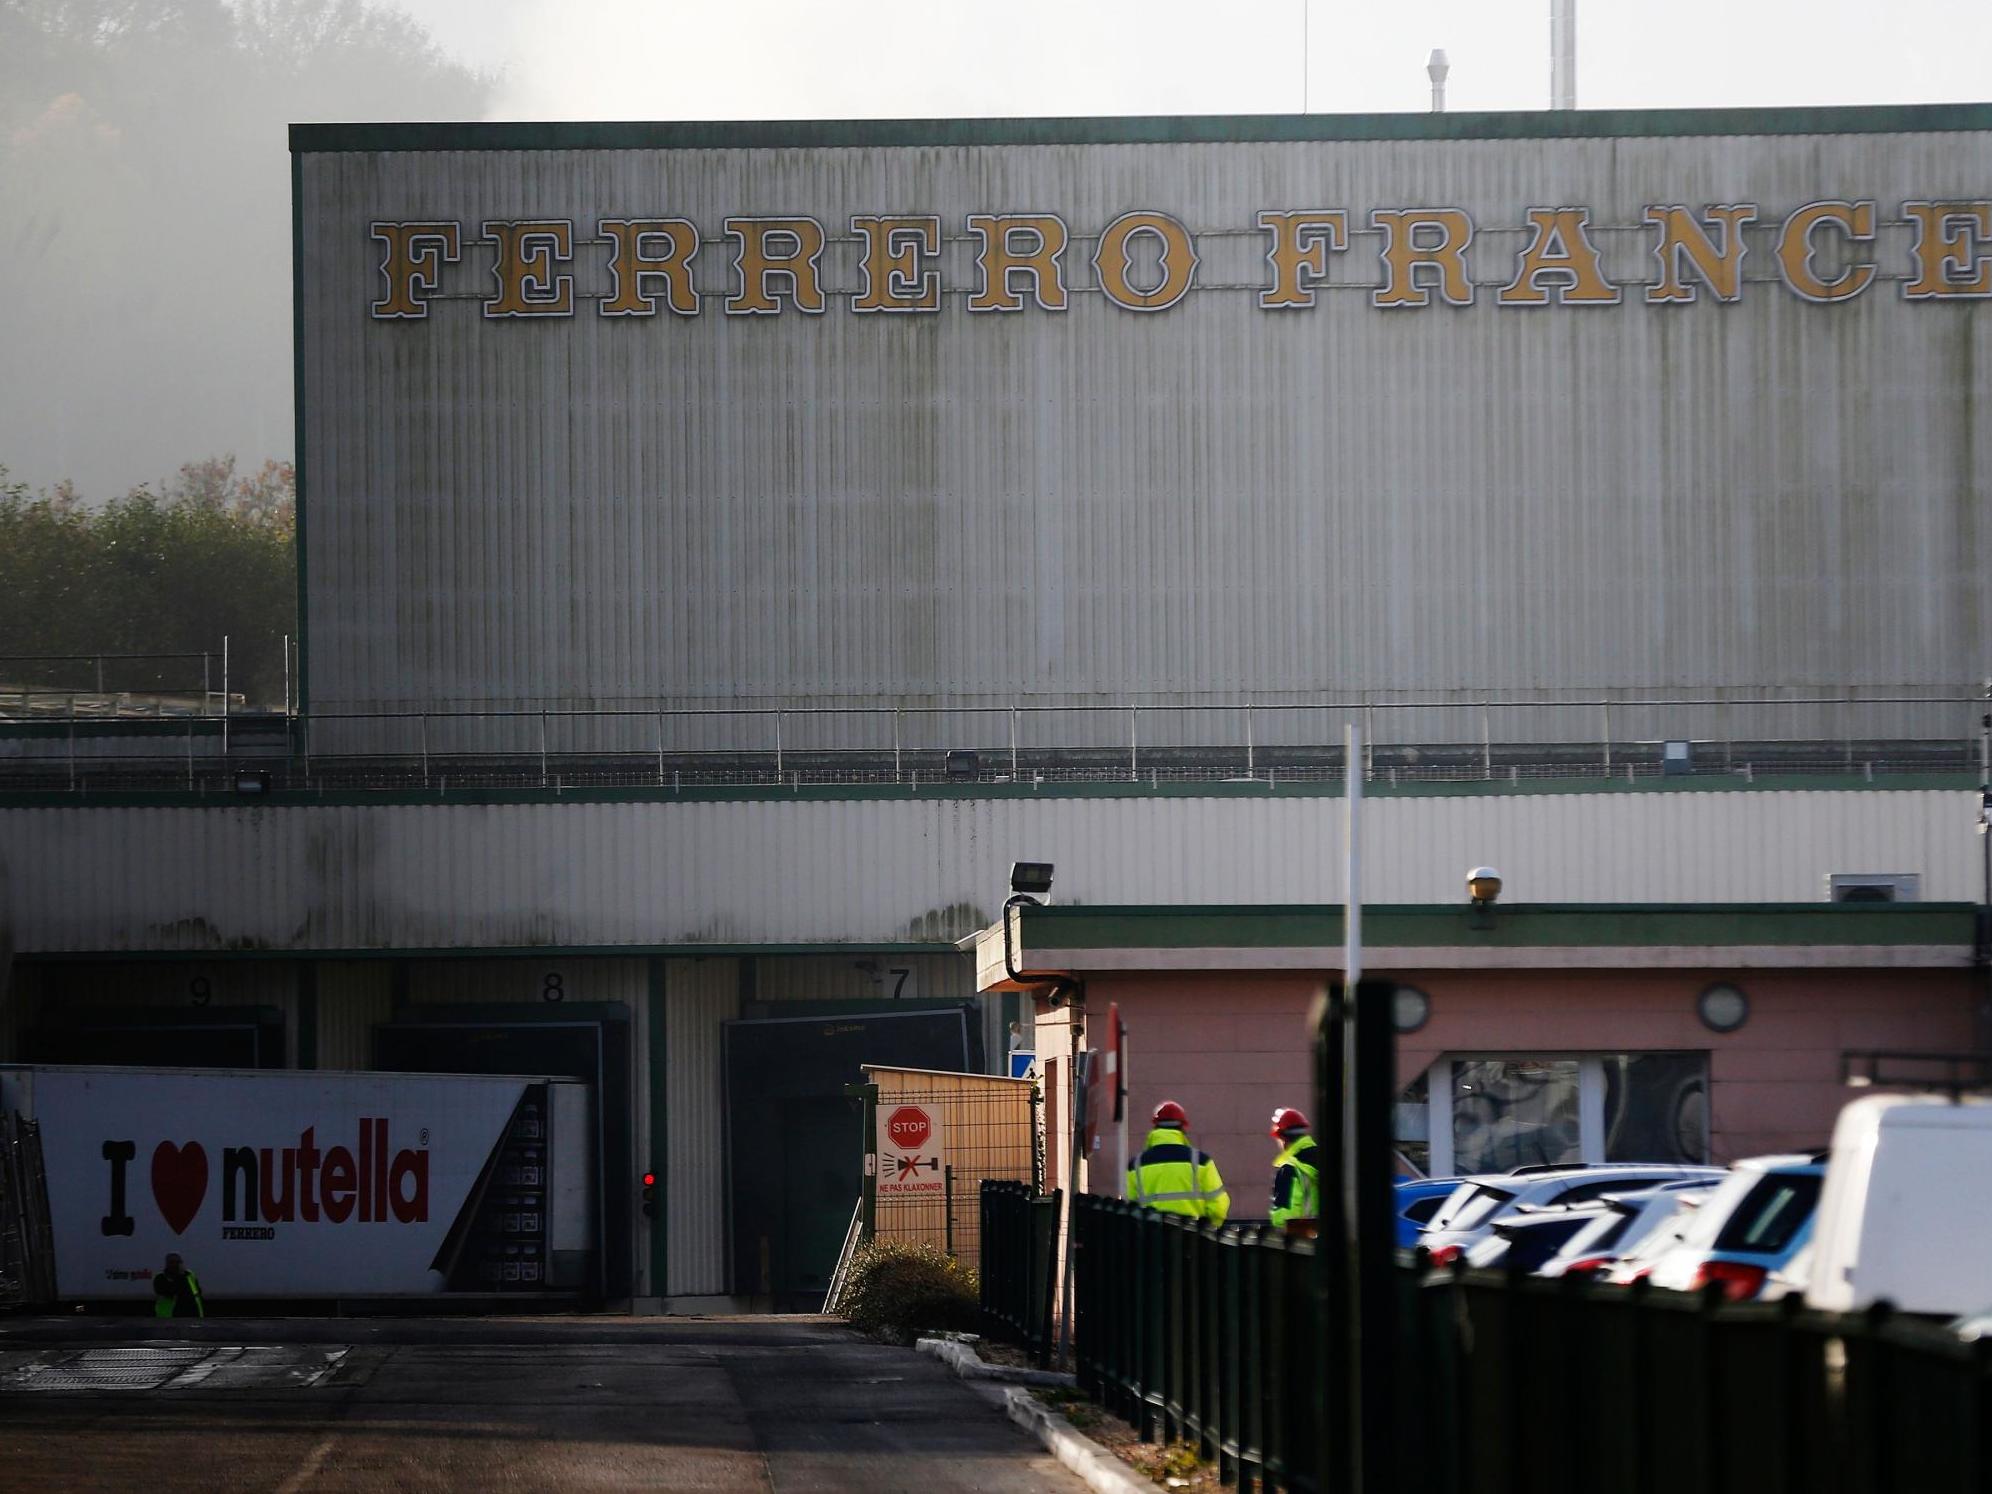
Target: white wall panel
{"x":699,"y":996}
{"x":900,"y":871}
{"x":1213,"y":503}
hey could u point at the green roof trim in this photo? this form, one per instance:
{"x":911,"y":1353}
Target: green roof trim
{"x":88,"y":798}
{"x":1045,"y":931}
{"x":1229,"y":129}
{"x":287,"y":955}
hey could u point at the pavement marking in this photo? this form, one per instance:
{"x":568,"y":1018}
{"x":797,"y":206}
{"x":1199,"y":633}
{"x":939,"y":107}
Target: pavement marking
{"x":308,"y":1469}
{"x":149,"y":1367}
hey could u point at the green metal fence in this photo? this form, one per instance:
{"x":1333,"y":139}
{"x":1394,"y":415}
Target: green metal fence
{"x":1202,"y":1335}
{"x":1019,"y":1232}
{"x":1514,"y":1385}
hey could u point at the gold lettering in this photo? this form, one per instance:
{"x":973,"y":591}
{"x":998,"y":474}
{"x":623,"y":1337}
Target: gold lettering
{"x":648,"y":252}
{"x":412,"y":257}
{"x":528,"y":250}
{"x":1002,"y":255}
{"x":771,"y":251}
{"x":1948,"y":236}
{"x":1684,"y":242}
{"x":1298,"y":253}
{"x":1560,"y":267}
{"x":894,"y":279}
{"x":1428,"y":240}
{"x":1114,"y":264}
{"x":1795,"y":251}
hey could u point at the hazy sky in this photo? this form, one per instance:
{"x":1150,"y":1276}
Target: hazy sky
{"x":604,"y":59}
{"x":116,"y":366}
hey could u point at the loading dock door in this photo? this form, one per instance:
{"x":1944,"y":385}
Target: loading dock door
{"x":586,"y":1040}
{"x":217,"y":1037}
{"x":795,"y":1144}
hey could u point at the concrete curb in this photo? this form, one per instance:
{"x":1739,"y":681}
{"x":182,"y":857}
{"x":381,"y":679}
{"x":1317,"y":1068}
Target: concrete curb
{"x":969,"y":1365}
{"x":1101,"y":1470}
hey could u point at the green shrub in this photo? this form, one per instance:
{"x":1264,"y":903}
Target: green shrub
{"x":900,"y":1291}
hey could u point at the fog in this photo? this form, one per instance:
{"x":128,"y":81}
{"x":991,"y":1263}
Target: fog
{"x":144,"y":168}
{"x":145,"y":218}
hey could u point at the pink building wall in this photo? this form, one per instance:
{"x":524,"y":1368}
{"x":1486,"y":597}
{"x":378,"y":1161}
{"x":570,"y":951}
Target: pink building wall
{"x":1231,"y":1046}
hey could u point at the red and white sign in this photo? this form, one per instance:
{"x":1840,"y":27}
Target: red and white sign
{"x":279,"y":1183}
{"x":912,"y":1153}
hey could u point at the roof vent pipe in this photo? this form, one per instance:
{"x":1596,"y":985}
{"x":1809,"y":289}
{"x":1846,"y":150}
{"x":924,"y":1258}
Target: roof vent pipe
{"x":1563,"y":54}
{"x":1436,"y":68}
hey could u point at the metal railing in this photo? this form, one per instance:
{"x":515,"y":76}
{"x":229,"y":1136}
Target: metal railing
{"x":1211,"y":1337}
{"x":1218,"y":1338}
{"x":1019,"y":1232}
{"x":1624,"y":735}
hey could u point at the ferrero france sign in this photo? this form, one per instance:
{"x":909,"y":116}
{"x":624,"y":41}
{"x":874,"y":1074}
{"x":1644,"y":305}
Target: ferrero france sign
{"x":1146,"y":261}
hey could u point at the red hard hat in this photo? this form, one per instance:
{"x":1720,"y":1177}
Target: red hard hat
{"x":1169,"y":1113}
{"x":1287,"y":1119}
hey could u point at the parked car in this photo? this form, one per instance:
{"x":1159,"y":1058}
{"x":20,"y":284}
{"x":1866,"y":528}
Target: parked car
{"x":1418,"y":1199}
{"x":1624,"y":1221}
{"x":1522,"y":1239}
{"x":1905,"y":1213}
{"x":1470,"y":1210}
{"x":1751,"y":1225}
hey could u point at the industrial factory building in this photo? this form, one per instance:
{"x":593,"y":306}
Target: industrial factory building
{"x":726,"y":548}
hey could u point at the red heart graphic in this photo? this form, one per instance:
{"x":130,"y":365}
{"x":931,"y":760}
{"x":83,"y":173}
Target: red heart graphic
{"x":179,"y":1182}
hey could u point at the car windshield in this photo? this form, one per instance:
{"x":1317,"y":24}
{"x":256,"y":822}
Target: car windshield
{"x":1470,"y":1205}
{"x":1771,"y":1213}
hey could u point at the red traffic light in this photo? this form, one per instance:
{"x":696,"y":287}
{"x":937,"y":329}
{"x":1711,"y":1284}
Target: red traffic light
{"x":650,"y":1180}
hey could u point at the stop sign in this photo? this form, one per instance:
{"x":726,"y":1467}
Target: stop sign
{"x":909,"y":1127}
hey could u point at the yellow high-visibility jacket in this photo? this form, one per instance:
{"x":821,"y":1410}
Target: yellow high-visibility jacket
{"x":1173,"y":1177}
{"x":1296,"y":1182}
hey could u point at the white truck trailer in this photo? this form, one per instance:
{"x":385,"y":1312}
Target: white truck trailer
{"x":282,"y":1183}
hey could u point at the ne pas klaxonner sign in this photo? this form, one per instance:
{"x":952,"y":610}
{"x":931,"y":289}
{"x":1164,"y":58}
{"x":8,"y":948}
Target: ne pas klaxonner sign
{"x":1146,"y":261}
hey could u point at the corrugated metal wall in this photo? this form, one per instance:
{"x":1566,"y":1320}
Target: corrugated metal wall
{"x":1212,"y":503}
{"x":354,"y":997}
{"x":785,"y":872}
{"x":699,"y":995}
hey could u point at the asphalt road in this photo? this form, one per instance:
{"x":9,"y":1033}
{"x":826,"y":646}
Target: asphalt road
{"x":575,"y":1403}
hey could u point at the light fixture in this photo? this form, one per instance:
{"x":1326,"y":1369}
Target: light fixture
{"x":1722,"y":1007}
{"x":1483,"y":885}
{"x":1410,"y":1009}
{"x":1030,"y":878}
{"x":252,"y":783}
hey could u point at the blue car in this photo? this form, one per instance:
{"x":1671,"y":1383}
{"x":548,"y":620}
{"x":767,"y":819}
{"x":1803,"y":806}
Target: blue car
{"x":1418,"y":1199}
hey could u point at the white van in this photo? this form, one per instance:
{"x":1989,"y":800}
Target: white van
{"x":1905,"y":1214}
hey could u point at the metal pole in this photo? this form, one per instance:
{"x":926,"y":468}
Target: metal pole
{"x":660,"y":749}
{"x":1013,"y":741}
{"x":224,"y":697}
{"x":425,"y":748}
{"x":1251,"y":764}
{"x":1134,"y":742}
{"x":1352,"y":891}
{"x":542,"y":749}
{"x":895,"y":743}
{"x":947,"y":1195}
{"x":207,"y":688}
{"x":287,"y":678}
{"x":778,"y":743}
{"x":100,"y":674}
{"x":1606,"y":707}
{"x":1486,"y":741}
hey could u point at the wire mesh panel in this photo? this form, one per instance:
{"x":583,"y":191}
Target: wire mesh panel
{"x":985,"y":1129}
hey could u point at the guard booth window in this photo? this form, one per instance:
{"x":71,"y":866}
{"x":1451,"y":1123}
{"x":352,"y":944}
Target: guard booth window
{"x":1474,"y":1113}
